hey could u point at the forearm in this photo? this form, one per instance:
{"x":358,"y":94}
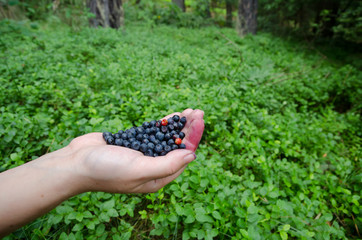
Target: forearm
{"x":33,"y":189}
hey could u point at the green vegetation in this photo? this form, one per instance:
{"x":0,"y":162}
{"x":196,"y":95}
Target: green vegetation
{"x":281,"y":153}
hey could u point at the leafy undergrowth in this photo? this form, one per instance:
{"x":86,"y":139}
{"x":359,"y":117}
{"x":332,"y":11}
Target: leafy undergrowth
{"x":281,"y":153}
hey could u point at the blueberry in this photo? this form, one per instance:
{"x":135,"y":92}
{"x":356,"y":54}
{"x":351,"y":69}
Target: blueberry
{"x":118,"y":142}
{"x":158,"y":123}
{"x":164,"y":143}
{"x":174,"y":146}
{"x":140,"y":130}
{"x":170,"y":142}
{"x":131,"y":135}
{"x":121,"y":132}
{"x":163,"y":153}
{"x":139,"y":137}
{"x":175,"y":125}
{"x":167,"y":148}
{"x":149,"y":153}
{"x":145,"y":141}
{"x":131,"y":140}
{"x":146,"y":125}
{"x":173,"y":132}
{"x":136,"y":145}
{"x":158,"y":130}
{"x":145,"y":136}
{"x":151,"y":145}
{"x":160,"y":136}
{"x":110,"y":140}
{"x":143,"y":147}
{"x":174,"y":137}
{"x":183,"y":120}
{"x":171,"y":127}
{"x":148,"y":131}
{"x":153,"y":123}
{"x":117,"y":135}
{"x":180,"y":125}
{"x":158,"y":148}
{"x":164,"y":129}
{"x":170,"y":121}
{"x":176,"y":118}
{"x":126,"y":143}
{"x":132,"y":131}
{"x":167,"y":136}
{"x":106,"y":134}
{"x":152,"y":138}
{"x":155,"y":155}
{"x":182,"y":146}
{"x":182,"y":135}
{"x":124,"y":136}
{"x":154,"y":130}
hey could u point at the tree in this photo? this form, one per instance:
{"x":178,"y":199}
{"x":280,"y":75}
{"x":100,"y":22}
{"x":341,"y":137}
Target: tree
{"x":180,"y":4}
{"x":109,"y":13}
{"x":247,"y":13}
{"x":229,"y":12}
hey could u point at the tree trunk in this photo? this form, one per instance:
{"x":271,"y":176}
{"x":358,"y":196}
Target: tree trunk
{"x":247,"y":13}
{"x":109,"y":13}
{"x":229,"y":14}
{"x":180,"y":4}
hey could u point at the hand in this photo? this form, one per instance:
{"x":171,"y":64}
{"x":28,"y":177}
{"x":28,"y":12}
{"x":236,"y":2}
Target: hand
{"x":117,"y":169}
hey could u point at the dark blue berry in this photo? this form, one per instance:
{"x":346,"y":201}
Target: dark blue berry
{"x":145,"y":140}
{"x":163,"y":153}
{"x":131,"y":140}
{"x":153,"y":123}
{"x":164,"y":143}
{"x":124,"y":136}
{"x":145,"y":136}
{"x":158,"y":123}
{"x":131,"y":135}
{"x":149,"y":153}
{"x":160,"y":136}
{"x":117,"y":135}
{"x":151,"y":145}
{"x":121,"y":132}
{"x":164,"y":129}
{"x":136,"y":145}
{"x":143,"y":147}
{"x":182,"y":146}
{"x":148,"y":131}
{"x":139,"y":137}
{"x":170,"y":142}
{"x":182,"y":135}
{"x":133,"y":130}
{"x":155,"y":155}
{"x":180,"y":126}
{"x":176,"y":118}
{"x":118,"y":142}
{"x":167,"y":136}
{"x":146,"y":125}
{"x":140,"y":130}
{"x":174,"y":137}
{"x":106,"y":134}
{"x":158,"y":148}
{"x":173,"y":132}
{"x":174,"y":146}
{"x":110,"y":140}
{"x":126,"y":143}
{"x":175,"y":125}
{"x":167,"y":148}
{"x":154,"y":130}
{"x":171,"y":127}
{"x":183,"y":120}
{"x":170,"y":121}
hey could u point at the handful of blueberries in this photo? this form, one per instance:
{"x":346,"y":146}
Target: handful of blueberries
{"x":155,"y":138}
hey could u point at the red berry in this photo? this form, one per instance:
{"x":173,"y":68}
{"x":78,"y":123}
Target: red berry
{"x":178,"y":141}
{"x":164,"y":122}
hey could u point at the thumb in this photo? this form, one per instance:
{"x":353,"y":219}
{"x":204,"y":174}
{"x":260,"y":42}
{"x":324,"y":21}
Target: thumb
{"x":160,"y":167}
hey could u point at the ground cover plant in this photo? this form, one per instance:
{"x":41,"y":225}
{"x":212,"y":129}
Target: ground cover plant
{"x":280,"y":157}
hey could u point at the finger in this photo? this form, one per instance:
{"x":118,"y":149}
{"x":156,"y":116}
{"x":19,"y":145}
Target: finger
{"x":164,"y":166}
{"x":156,"y":184}
{"x":194,"y":135}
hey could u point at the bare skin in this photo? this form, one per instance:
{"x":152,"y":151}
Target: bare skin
{"x":88,"y":164}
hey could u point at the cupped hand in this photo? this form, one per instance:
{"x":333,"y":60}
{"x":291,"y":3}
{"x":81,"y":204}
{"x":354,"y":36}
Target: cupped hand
{"x":117,"y":169}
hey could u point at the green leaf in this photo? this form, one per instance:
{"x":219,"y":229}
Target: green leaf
{"x":100,"y":229}
{"x":216,"y":215}
{"x":283,"y":235}
{"x":77,"y":227}
{"x":112,"y":213}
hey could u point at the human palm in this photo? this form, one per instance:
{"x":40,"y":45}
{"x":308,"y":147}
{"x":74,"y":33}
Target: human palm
{"x":118,"y":169}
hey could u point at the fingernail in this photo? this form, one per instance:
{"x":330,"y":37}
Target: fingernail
{"x":190,"y":157}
